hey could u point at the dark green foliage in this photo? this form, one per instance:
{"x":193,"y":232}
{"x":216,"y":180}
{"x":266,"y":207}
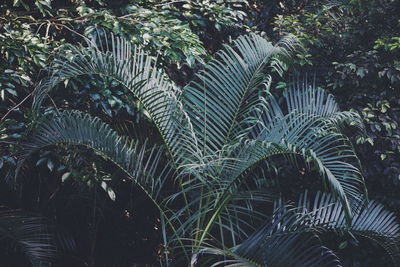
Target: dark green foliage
{"x":162,"y":172}
{"x":33,"y":236}
{"x":211,"y":162}
{"x":353,"y":46}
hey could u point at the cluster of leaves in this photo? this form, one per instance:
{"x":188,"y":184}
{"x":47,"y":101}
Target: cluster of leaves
{"x":23,"y":56}
{"x":159,"y":30}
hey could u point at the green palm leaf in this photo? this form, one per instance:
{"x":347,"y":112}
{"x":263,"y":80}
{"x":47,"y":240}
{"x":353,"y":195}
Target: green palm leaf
{"x":372,"y":222}
{"x":140,"y":162}
{"x":286,"y":241}
{"x":295,"y":135}
{"x":289,"y":240}
{"x":223,"y":100}
{"x":304,"y":97}
{"x":34,"y":236}
{"x":137,"y":71}
{"x":314,"y":138}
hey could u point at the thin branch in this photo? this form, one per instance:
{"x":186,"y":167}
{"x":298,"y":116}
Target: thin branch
{"x":71,"y":30}
{"x":172,"y":2}
{"x":15,"y":107}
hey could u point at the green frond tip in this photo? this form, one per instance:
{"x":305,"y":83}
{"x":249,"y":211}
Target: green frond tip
{"x":306,"y":97}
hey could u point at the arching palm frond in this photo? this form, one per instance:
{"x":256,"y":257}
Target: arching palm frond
{"x":304,"y":97}
{"x":314,"y":138}
{"x":136,"y":70}
{"x":286,"y":241}
{"x":33,"y":236}
{"x":140,"y":162}
{"x":223,"y":101}
{"x":372,"y":222}
{"x":294,"y":135}
{"x":291,"y":239}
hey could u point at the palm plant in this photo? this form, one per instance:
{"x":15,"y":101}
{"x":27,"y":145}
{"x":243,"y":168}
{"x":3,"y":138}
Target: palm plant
{"x":221,"y":134}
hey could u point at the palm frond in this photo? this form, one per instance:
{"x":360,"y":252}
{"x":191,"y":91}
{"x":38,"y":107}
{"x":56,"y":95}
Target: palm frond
{"x":223,"y":101}
{"x":141,"y":163}
{"x":33,"y":236}
{"x":271,"y":245}
{"x":294,"y":135}
{"x":322,"y":215}
{"x":318,"y":145}
{"x":373,"y":222}
{"x":129,"y":65}
{"x":307,"y":132}
{"x":291,"y":238}
{"x":305,"y":97}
